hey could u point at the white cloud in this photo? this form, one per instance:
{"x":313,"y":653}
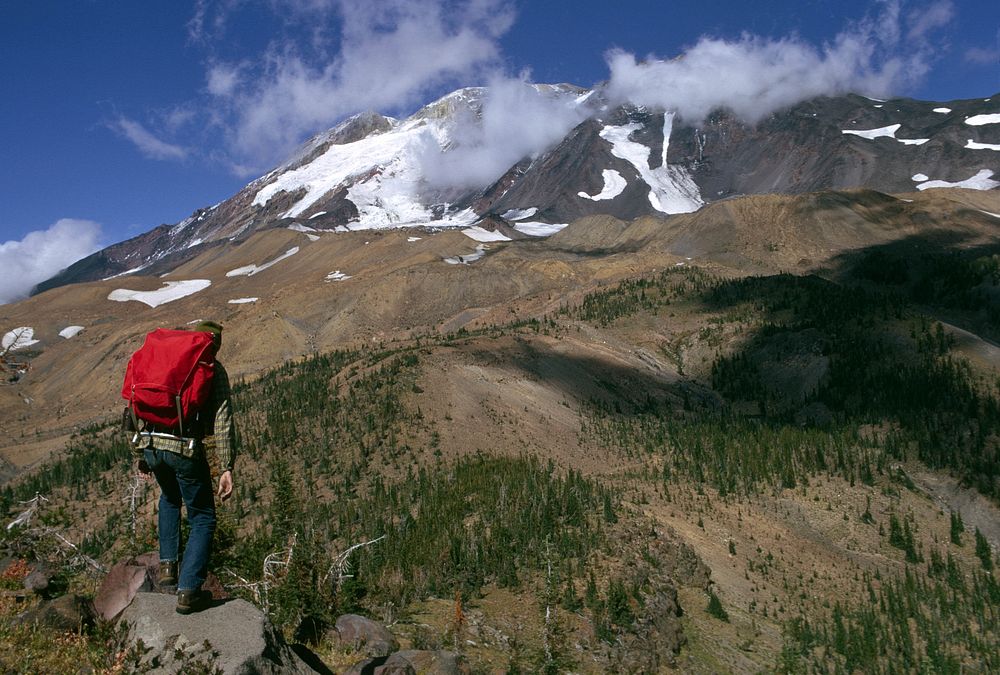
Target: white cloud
{"x":927,"y":19}
{"x":147,"y":143}
{"x":755,"y":76}
{"x":389,"y":56}
{"x":518,"y":120}
{"x":43,"y":253}
{"x":982,"y":56}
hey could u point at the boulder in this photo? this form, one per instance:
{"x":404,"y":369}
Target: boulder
{"x":122,"y":582}
{"x":139,"y":574}
{"x":231,"y":636}
{"x":65,"y":613}
{"x":38,"y":581}
{"x":424,"y":662}
{"x":361,"y":634}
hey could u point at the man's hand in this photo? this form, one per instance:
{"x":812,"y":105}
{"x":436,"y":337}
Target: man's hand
{"x":143,"y":470}
{"x":225,"y":485}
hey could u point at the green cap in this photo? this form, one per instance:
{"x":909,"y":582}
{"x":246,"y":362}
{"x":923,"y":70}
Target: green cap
{"x":213,"y":327}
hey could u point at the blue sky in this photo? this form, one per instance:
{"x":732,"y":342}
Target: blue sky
{"x":118,"y":116}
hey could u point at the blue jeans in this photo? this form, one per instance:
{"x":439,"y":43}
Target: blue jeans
{"x":186,"y":479}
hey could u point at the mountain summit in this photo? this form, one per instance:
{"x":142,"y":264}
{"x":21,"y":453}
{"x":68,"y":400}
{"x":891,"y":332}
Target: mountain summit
{"x":454,"y":163}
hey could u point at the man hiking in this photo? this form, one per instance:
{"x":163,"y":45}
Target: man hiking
{"x":173,"y":449}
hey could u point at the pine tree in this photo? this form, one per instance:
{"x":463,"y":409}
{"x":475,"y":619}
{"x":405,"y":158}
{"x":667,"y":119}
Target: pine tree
{"x":983,"y":551}
{"x":957,"y":528}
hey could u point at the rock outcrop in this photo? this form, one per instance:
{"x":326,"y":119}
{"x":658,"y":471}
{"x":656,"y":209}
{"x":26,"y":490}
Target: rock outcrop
{"x":232,"y":636}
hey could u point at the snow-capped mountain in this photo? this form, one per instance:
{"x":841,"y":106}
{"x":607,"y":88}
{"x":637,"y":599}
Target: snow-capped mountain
{"x":376,"y":172}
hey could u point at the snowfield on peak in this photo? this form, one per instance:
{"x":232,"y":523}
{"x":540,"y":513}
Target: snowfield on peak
{"x":388,"y":166}
{"x":614,"y":185}
{"x":672,"y":190}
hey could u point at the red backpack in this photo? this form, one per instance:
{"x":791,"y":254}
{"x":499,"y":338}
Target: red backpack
{"x":169,"y":379}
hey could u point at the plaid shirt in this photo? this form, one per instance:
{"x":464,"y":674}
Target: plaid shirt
{"x":223,"y":431}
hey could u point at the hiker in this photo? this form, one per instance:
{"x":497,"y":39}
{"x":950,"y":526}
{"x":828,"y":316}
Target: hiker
{"x":176,"y":458}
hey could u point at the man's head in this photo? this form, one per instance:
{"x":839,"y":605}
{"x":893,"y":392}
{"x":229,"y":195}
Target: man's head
{"x":212,"y":327}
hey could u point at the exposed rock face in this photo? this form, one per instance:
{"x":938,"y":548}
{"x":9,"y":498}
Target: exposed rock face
{"x":234,"y":637}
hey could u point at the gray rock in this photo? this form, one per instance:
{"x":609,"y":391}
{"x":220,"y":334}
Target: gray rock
{"x":67,"y":612}
{"x":234,"y":637}
{"x":37,"y":582}
{"x":362,"y":634}
{"x":424,"y":662}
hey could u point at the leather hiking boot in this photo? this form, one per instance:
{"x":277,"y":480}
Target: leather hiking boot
{"x":168,"y":573}
{"x":192,"y":601}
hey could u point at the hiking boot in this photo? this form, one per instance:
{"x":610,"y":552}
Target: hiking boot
{"x":168,"y":573}
{"x":192,"y":601}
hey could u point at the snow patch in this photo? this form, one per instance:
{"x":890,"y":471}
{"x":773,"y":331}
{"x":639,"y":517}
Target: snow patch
{"x":70,"y":331}
{"x":990,"y":213}
{"x":870,"y":134}
{"x":126,"y":272}
{"x":943,"y":111}
{"x":412,"y":239}
{"x":885,"y":132}
{"x":337,"y":275}
{"x":614,"y":185}
{"x":519,"y":214}
{"x":981,"y":181}
{"x":172,"y":290}
{"x":672,"y":190}
{"x":539,"y":229}
{"x":466,"y":259}
{"x":980,"y":120}
{"x":482,"y":234}
{"x":918,"y":177}
{"x":19,"y":338}
{"x":242,"y":301}
{"x":973,"y":145}
{"x":250,"y":270}
{"x":317,"y":214}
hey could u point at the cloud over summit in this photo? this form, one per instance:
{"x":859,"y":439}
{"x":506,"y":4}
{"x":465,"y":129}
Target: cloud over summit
{"x":754,"y":76}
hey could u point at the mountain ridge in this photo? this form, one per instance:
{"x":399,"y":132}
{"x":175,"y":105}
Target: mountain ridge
{"x":381,"y":182}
